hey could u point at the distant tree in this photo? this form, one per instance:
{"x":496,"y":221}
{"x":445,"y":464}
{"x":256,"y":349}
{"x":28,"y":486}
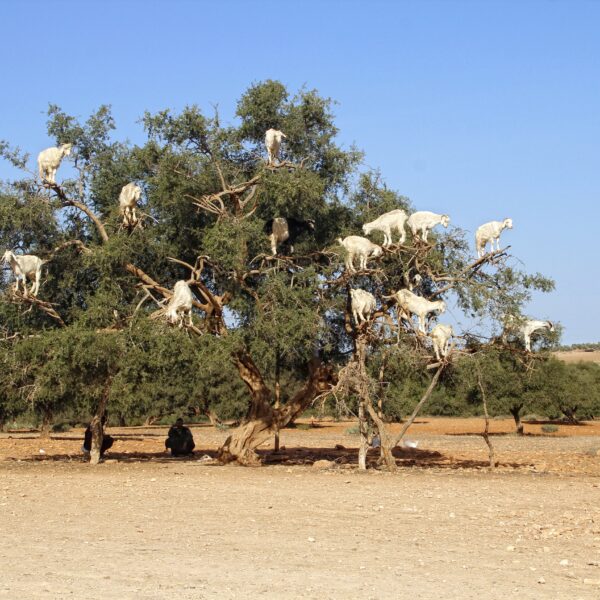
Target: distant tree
{"x":571,"y":390}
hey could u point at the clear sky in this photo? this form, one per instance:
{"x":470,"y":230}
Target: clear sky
{"x":480,"y":109}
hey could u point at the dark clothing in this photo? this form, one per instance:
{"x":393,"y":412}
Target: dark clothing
{"x":180,"y":441}
{"x":107,"y":441}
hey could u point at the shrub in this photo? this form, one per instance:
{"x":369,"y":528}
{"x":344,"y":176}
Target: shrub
{"x":549,"y":428}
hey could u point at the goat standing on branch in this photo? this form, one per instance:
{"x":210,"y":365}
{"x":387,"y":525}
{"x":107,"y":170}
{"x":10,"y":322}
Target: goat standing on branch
{"x":128,"y":198}
{"x":25,"y":267}
{"x":424,"y":221}
{"x":360,"y":247}
{"x":411,"y":304}
{"x":179,"y":305}
{"x":286,"y":230}
{"x":489,"y":232}
{"x":440,"y":336}
{"x":49,"y":160}
{"x":273,"y":139}
{"x":363,"y":305}
{"x":526,"y":329}
{"x":394,"y":219}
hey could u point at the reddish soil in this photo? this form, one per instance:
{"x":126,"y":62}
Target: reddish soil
{"x":143,"y":525}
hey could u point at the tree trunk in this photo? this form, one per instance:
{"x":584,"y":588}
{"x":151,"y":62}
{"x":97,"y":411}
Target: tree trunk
{"x":213,"y":417}
{"x":515,"y":411}
{"x":46,"y":424}
{"x":380,"y":392}
{"x":569,"y":412}
{"x":486,"y":429}
{"x":363,"y":430}
{"x":277,"y":398}
{"x":151,"y":419}
{"x":96,"y":425}
{"x":384,"y":438}
{"x":262,"y":419}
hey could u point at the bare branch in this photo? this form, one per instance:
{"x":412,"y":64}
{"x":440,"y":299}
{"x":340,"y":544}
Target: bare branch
{"x":469,"y":271}
{"x":19,"y":298}
{"x":60,"y":193}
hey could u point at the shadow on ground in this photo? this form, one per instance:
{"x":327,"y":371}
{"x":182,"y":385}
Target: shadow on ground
{"x":305,"y":456}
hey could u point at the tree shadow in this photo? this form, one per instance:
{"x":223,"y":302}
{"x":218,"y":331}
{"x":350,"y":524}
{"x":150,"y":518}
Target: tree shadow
{"x":558,"y":423}
{"x":297,"y":456}
{"x":405,"y":457}
{"x":121,"y":457}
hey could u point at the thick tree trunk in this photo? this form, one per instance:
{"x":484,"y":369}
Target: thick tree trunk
{"x":569,"y":412}
{"x":384,"y":437}
{"x":263,"y":420}
{"x":515,"y":411}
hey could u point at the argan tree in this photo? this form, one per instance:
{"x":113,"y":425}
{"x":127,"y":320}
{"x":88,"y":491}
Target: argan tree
{"x":207,"y":193}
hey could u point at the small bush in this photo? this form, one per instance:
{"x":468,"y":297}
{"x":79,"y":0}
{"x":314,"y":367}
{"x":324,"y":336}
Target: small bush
{"x":355,"y":430}
{"x":549,"y":428}
{"x":303,"y":426}
{"x":61,"y":427}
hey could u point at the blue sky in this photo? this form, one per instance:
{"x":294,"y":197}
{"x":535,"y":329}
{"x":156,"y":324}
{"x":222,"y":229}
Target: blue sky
{"x":481,"y":109}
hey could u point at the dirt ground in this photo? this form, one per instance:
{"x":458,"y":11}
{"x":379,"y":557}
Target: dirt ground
{"x":574,"y":356}
{"x":143,"y":525}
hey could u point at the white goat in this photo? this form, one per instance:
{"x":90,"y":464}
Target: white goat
{"x":440,"y":336}
{"x":180,"y":304}
{"x":49,"y":160}
{"x":489,"y":232}
{"x":363,"y":305}
{"x":394,"y":219}
{"x":128,"y":198}
{"x":361,"y":247}
{"x":411,"y":304}
{"x":424,"y":221}
{"x":25,"y":267}
{"x":273,"y":139}
{"x":525,"y":329}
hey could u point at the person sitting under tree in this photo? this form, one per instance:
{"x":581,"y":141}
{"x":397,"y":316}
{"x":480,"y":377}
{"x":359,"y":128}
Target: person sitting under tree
{"x":180,"y":440}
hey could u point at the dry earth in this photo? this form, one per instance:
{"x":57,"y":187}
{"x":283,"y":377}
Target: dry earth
{"x":142,"y":525}
{"x":574,"y":356}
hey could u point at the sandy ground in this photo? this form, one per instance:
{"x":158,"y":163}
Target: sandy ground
{"x":142,"y":525}
{"x":574,"y":356}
